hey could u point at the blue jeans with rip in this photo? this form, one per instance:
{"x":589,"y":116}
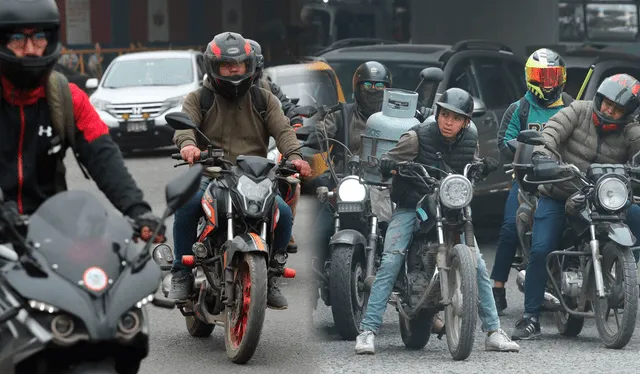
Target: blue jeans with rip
{"x":185,"y":226}
{"x":548,"y":224}
{"x":397,"y":240}
{"x":508,"y":240}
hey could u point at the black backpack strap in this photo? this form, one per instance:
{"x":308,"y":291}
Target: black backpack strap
{"x":259,"y":102}
{"x":206,"y":100}
{"x":523,"y":113}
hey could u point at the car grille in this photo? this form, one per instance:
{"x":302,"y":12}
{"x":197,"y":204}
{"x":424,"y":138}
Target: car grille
{"x":136,"y":111}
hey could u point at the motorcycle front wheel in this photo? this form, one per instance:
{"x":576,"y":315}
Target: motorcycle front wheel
{"x":346,"y":290}
{"x":619,"y":307}
{"x":245,"y":318}
{"x":461,"y":314}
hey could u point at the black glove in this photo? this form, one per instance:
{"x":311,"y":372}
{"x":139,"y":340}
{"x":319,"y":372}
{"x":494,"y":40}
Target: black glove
{"x":296,"y":122}
{"x":151,"y":221}
{"x":386,"y":165}
{"x":490,"y":165}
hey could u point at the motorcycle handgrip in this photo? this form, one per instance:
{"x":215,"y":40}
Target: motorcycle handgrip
{"x":163,"y":303}
{"x":178,"y":156}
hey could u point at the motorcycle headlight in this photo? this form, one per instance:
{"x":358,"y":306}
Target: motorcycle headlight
{"x":456,"y":191}
{"x":612,"y":193}
{"x":351,"y":190}
{"x":253,"y":191}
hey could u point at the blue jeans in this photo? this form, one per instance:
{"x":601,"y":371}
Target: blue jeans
{"x":548,"y":224}
{"x":508,"y":241}
{"x":397,"y":240}
{"x":185,"y":226}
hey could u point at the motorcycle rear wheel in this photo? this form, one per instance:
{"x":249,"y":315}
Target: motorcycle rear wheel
{"x":348,"y":300}
{"x":461,"y":315}
{"x":415,"y":333}
{"x":621,"y":288}
{"x":245,"y":319}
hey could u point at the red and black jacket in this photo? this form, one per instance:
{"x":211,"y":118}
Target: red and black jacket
{"x":30,"y":152}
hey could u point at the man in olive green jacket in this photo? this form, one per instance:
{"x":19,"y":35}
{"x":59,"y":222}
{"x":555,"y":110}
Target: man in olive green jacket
{"x":233,"y":124}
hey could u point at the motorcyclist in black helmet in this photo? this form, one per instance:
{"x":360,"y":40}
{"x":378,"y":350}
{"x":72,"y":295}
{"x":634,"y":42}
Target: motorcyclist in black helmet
{"x":34,"y":135}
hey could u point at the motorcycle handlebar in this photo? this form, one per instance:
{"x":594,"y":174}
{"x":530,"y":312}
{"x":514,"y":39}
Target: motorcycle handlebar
{"x":203,"y":155}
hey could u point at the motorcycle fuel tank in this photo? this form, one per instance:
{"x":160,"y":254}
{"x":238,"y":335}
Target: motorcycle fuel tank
{"x":383,"y":130}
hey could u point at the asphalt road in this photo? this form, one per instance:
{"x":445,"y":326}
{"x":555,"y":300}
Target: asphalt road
{"x":292,"y":343}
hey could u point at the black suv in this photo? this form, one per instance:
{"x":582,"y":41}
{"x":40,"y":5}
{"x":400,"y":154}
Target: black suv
{"x":488,"y":70}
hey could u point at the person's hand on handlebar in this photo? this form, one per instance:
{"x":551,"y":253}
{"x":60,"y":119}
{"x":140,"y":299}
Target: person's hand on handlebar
{"x":190,"y":153}
{"x":303,"y":167}
{"x":386,"y":166}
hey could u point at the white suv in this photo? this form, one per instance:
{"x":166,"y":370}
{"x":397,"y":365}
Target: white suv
{"x":139,"y":89}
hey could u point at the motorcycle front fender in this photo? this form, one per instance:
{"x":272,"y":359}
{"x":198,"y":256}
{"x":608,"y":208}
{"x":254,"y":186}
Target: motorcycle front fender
{"x":349,"y":237}
{"x":621,"y":233}
{"x":244,"y":243}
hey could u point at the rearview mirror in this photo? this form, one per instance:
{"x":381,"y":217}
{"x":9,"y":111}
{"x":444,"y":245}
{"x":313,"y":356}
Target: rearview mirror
{"x":432,"y":74}
{"x":181,"y":189}
{"x":305,"y":111}
{"x":162,"y":255}
{"x":180,"y":121}
{"x":531,"y":137}
{"x":91,"y":83}
{"x":479,"y":107}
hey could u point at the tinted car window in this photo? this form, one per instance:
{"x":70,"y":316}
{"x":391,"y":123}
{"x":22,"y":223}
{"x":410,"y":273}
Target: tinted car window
{"x":403,"y":75}
{"x":309,"y":88}
{"x":496,"y":88}
{"x":461,"y":78}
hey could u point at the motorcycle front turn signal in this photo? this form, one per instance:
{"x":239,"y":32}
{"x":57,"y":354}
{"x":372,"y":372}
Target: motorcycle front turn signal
{"x":289,"y":273}
{"x":188,"y":260}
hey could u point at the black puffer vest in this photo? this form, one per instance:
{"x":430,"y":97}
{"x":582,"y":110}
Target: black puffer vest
{"x":407,"y":192}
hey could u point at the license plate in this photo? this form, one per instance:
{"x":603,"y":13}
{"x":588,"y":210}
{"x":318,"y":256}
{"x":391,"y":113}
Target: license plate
{"x":136,"y":126}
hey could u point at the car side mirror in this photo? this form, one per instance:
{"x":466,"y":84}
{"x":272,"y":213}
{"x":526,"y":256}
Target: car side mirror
{"x":479,"y":107}
{"x":91,"y":83}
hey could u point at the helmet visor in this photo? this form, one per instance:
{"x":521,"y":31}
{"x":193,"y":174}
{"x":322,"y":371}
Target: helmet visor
{"x":548,"y":77}
{"x":233,"y":69}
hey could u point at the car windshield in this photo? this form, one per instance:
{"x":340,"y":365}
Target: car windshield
{"x":309,"y":88}
{"x":404,"y":75}
{"x":149,"y":72}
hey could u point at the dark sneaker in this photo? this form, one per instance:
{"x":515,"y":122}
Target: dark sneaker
{"x":526,"y":328}
{"x":181,"y":285}
{"x":292,"y":247}
{"x":275,"y":298}
{"x":500,"y":296}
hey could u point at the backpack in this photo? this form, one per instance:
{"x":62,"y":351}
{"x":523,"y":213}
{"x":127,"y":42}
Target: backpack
{"x":63,"y":120}
{"x":524,"y":109}
{"x":207,"y":99}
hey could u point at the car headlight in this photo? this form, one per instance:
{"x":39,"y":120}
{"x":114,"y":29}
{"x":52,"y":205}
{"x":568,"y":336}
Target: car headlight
{"x":99,"y":104}
{"x":456,"y":191}
{"x":351,"y":190}
{"x":174,"y":102}
{"x":612,"y":193}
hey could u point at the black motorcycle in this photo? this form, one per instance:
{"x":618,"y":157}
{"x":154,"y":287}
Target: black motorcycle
{"x":233,"y":256}
{"x":440,"y":269}
{"x":595,"y":268}
{"x":73,"y":292}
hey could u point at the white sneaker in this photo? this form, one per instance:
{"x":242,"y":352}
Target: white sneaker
{"x":499,"y":341}
{"x":364,"y":343}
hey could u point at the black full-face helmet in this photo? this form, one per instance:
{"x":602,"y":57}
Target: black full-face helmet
{"x":259,"y":59}
{"x":230,"y":48}
{"x":29,"y":72}
{"x":624,"y":91}
{"x":369,"y":82}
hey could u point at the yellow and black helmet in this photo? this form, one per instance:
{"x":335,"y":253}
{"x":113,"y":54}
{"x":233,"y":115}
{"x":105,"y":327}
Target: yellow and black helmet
{"x":546,"y":75}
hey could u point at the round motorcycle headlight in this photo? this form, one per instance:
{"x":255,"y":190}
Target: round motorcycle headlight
{"x":456,"y":191}
{"x":612,"y":194}
{"x":351,"y":190}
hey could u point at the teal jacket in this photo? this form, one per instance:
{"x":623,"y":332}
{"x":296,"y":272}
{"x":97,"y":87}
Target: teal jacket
{"x":510,"y":125}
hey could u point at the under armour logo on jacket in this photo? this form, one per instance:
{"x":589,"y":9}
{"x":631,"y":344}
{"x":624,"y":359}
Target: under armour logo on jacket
{"x":42,"y":131}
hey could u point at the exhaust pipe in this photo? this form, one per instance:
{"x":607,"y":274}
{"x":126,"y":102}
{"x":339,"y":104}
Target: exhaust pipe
{"x":550,"y":302}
